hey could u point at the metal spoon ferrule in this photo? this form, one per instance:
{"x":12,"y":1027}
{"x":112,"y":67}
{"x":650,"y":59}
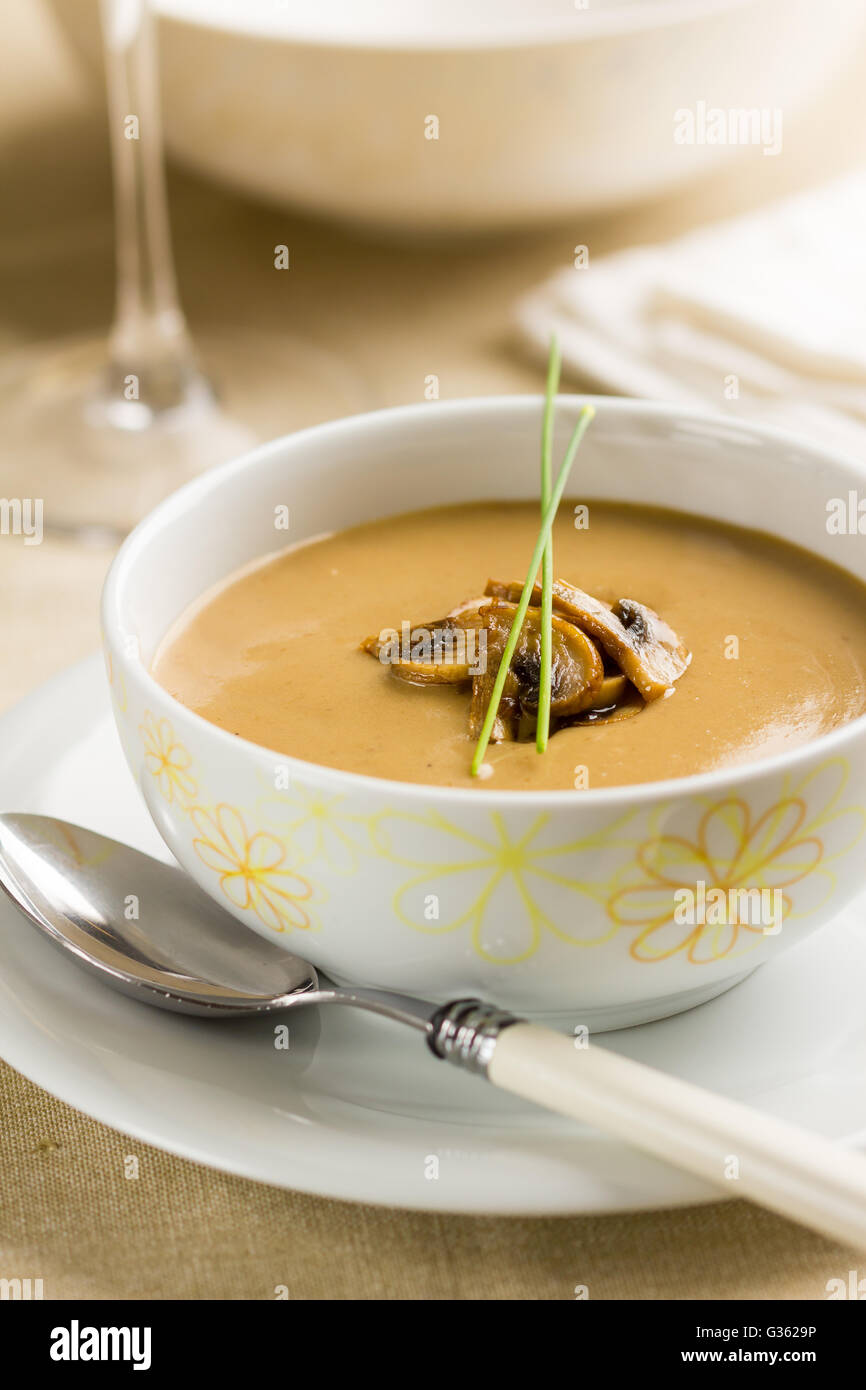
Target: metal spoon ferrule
{"x":465,"y":1032}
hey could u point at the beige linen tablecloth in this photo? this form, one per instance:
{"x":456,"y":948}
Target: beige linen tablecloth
{"x":67,"y":1215}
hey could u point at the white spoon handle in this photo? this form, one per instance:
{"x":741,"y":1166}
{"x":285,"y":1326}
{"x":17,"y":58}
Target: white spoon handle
{"x":778,"y":1165}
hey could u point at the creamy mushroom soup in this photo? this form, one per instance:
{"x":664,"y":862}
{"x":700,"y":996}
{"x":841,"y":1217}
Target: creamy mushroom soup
{"x":679,"y":646}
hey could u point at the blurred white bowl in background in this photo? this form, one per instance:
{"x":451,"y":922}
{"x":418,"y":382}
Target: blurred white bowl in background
{"x":545,"y":107}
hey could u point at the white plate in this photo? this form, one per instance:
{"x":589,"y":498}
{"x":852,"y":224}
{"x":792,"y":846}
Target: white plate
{"x":355,"y":1108}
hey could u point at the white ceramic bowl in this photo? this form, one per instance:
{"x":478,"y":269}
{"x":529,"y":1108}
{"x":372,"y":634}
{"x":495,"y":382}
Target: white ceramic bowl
{"x":549,"y":902}
{"x":545,"y":107}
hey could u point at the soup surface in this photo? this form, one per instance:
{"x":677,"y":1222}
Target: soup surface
{"x":778,"y":640}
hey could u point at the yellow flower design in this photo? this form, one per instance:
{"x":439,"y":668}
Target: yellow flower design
{"x":317,"y":826}
{"x":733,"y":848}
{"x":251,"y":868}
{"x":475,"y":880}
{"x":167,"y":760}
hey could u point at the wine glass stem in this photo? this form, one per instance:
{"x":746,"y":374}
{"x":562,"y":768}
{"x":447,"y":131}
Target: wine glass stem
{"x":149,"y":335}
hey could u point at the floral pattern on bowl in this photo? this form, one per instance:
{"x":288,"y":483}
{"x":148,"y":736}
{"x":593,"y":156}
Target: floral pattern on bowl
{"x":459,"y":878}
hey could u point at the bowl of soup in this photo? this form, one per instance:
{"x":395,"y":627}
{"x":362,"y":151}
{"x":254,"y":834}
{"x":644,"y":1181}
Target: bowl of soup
{"x":293,"y":645}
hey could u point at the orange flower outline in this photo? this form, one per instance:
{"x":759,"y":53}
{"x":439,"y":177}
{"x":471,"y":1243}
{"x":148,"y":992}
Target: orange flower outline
{"x":768,"y":853}
{"x":250,"y":868}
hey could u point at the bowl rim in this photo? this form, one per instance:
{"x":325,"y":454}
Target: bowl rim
{"x":631,"y":17}
{"x":695,"y":784}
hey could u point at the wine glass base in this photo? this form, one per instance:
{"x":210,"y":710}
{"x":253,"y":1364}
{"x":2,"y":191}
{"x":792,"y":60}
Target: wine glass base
{"x":95,"y":464}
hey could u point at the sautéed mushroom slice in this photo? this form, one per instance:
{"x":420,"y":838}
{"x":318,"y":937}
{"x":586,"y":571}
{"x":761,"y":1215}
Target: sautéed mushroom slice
{"x":607,"y":661}
{"x":436,"y":653}
{"x":506,"y":725}
{"x":643,"y":645}
{"x":612,"y":691}
{"x":576,"y":671}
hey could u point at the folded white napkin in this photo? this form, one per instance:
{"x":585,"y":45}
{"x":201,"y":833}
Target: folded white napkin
{"x":764,"y":315}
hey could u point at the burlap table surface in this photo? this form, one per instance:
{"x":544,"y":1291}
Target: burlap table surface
{"x":67,"y":1215}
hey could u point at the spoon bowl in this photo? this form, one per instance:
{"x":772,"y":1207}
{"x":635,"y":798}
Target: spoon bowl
{"x":140,"y":924}
{"x":144,"y":927}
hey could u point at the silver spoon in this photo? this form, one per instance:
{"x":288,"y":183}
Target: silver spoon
{"x":147,"y":929}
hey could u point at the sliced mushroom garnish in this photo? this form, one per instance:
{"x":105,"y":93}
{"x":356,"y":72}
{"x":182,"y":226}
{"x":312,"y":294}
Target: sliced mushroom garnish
{"x":421,"y":657}
{"x":659,"y":656}
{"x":444,"y":672}
{"x":576,"y":670}
{"x":611,"y":692}
{"x":511,"y":592}
{"x":374,"y":645}
{"x":607,"y":660}
{"x":437,"y":653}
{"x":589,"y":614}
{"x":507,"y":721}
{"x":643,"y":645}
{"x":468,"y":613}
{"x":627,"y":703}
